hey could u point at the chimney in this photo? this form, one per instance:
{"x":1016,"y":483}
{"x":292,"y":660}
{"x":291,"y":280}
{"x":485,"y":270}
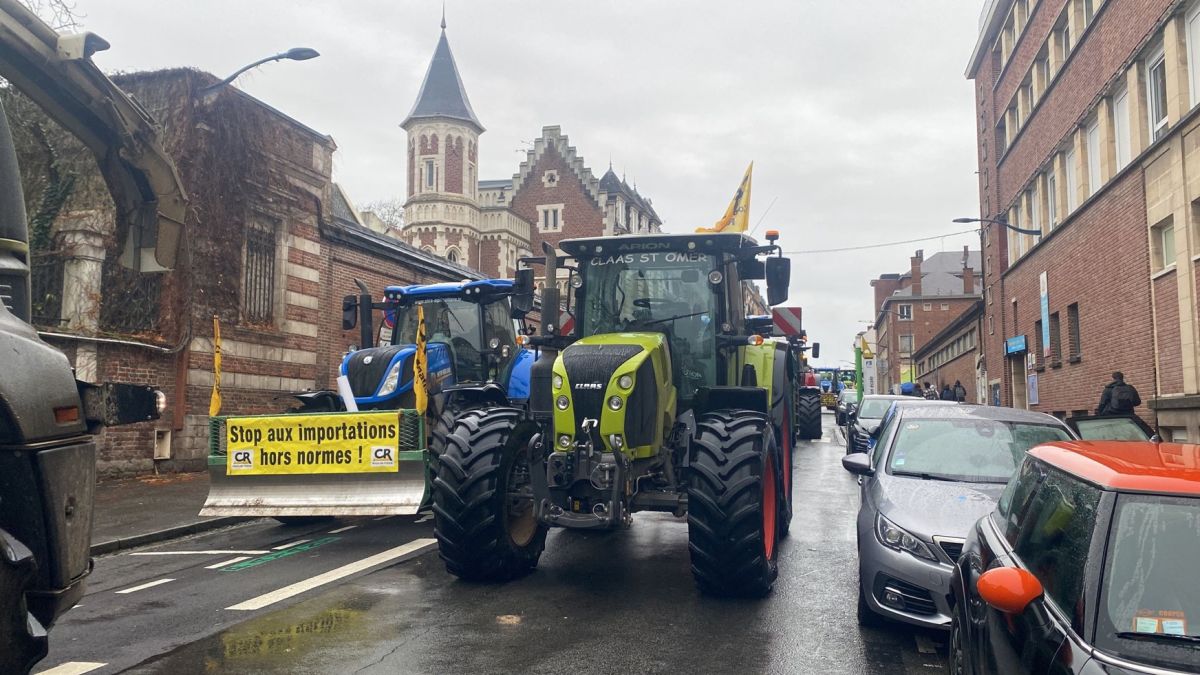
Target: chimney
{"x":916,"y":261}
{"x":884,"y":286}
{"x":968,"y":274}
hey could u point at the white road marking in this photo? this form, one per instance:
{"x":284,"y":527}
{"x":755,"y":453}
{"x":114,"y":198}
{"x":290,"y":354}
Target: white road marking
{"x":412,"y":548}
{"x":213,"y":552}
{"x":231,"y":561}
{"x":383,"y":517}
{"x":343,"y":529}
{"x":289,"y":544}
{"x":144,"y":586}
{"x":73,"y":667}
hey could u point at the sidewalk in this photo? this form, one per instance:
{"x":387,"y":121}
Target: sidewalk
{"x":137,"y":511}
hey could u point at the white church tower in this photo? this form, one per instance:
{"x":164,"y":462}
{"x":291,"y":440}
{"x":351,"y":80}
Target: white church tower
{"x":441,"y":214}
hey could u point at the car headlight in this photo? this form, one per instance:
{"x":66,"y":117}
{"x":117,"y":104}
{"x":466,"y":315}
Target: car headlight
{"x":894,"y":536}
{"x":392,"y":380}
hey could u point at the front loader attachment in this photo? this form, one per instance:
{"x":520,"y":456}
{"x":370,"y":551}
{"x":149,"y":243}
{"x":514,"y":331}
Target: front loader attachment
{"x":323,"y":464}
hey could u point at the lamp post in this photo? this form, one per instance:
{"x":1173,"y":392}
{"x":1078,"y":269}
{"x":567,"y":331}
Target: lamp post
{"x":997,"y":221}
{"x":293,"y":54}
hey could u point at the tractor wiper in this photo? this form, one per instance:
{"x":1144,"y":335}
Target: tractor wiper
{"x":671,"y":318}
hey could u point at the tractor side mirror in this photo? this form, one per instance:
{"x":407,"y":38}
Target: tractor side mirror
{"x":816,"y":350}
{"x":522,"y":299}
{"x":779,"y":275}
{"x":349,"y":312}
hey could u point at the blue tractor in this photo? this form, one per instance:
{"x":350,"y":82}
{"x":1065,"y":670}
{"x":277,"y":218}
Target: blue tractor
{"x":473,"y":359}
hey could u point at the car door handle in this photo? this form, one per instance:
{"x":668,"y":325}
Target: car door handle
{"x":860,"y":480}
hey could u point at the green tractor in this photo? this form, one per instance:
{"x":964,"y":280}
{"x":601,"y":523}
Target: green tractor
{"x":657,"y":399}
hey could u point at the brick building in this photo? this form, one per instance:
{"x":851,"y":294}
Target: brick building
{"x":953,"y":355}
{"x":489,"y":224}
{"x":270,"y":248}
{"x":1087,"y":120}
{"x":913,"y":307}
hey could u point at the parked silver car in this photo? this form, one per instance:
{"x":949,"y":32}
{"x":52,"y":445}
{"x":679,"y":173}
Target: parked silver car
{"x":934,"y":471}
{"x":866,"y":419}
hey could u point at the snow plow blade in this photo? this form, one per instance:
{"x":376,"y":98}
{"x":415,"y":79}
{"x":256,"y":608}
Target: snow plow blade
{"x":325,"y":464}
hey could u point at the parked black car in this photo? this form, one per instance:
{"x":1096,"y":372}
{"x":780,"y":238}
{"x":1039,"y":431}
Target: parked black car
{"x":1087,"y":565}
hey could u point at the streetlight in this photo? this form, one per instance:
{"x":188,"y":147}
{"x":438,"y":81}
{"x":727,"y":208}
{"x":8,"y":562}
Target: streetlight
{"x":293,"y":54}
{"x":998,"y":221}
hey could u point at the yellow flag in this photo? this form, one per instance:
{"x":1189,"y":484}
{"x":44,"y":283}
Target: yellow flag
{"x":214,"y":403}
{"x":421,"y":365}
{"x":737,"y":216}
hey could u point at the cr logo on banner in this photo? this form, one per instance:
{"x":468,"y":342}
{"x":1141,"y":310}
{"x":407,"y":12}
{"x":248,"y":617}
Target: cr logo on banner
{"x":243,"y":459}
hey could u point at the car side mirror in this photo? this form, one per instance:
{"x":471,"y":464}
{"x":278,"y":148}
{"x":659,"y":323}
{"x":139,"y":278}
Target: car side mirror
{"x":815,"y":350}
{"x":522,"y":299}
{"x":1008,"y":589}
{"x":858,"y":463}
{"x":349,"y":312}
{"x":779,"y":276}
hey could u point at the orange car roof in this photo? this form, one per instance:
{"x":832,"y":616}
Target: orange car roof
{"x":1130,"y":466}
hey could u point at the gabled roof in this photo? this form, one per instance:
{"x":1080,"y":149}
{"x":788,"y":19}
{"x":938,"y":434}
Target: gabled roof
{"x":442,"y":93}
{"x":553,"y":137}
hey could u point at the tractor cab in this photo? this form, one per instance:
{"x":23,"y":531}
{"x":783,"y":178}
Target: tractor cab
{"x":470,"y":339}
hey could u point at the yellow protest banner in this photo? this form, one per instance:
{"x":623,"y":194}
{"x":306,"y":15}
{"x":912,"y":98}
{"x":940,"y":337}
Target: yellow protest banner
{"x":306,"y":444}
{"x":214,"y":401}
{"x":421,"y":365}
{"x":737,"y":215}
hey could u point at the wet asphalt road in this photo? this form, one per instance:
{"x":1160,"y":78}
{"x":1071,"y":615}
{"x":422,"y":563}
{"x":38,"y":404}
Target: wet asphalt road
{"x":598,"y":603}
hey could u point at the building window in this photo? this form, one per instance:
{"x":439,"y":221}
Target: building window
{"x":945,"y":306}
{"x":1052,"y":197}
{"x":1039,"y":346}
{"x":1035,"y":208}
{"x":258,"y":274}
{"x":904,"y":312}
{"x":1093,"y":157}
{"x":452,"y":255}
{"x":1001,"y":136}
{"x":1162,"y":241}
{"x":1156,"y":94}
{"x":1073,"y":343}
{"x":1072,"y":181}
{"x":1064,"y":41}
{"x":1193,"y":51}
{"x":928,"y":306}
{"x":1121,"y":128}
{"x":430,"y":174}
{"x":1089,"y":10}
{"x":1055,"y":341}
{"x":906,"y":344}
{"x":550,"y":217}
{"x":991,"y":326}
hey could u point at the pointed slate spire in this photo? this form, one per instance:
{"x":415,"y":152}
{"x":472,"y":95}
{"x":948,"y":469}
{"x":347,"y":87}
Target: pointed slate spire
{"x":442,"y":93}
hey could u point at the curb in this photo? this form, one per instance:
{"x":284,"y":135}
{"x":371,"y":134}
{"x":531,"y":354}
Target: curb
{"x":122,"y":543}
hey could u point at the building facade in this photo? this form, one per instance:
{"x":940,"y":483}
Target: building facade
{"x":1087,"y":130}
{"x":490,"y":224}
{"x":913,"y":307}
{"x":952,"y":356}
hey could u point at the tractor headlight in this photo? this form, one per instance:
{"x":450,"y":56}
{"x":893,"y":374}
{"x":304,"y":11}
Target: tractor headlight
{"x":558,"y":381}
{"x":616,"y":441}
{"x":563,"y":403}
{"x":615,"y":402}
{"x":625,"y":381}
{"x":715,"y":277}
{"x":494,"y":343}
{"x":576,"y":281}
{"x":564,"y":441}
{"x":894,"y":536}
{"x":392,"y":380}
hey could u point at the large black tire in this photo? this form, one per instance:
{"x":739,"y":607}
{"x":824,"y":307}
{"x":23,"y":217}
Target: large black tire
{"x":482,"y":534}
{"x":22,"y":638}
{"x":956,"y":656}
{"x":808,"y":415}
{"x":733,"y":504}
{"x":785,"y":439}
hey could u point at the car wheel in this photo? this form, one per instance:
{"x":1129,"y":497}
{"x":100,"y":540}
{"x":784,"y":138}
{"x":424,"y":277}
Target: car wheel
{"x":956,"y":659}
{"x":867,"y":618}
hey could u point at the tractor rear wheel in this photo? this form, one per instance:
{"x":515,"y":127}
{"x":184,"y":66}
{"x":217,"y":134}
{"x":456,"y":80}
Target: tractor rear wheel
{"x":23,"y":637}
{"x":483,"y":512}
{"x":733,"y":504}
{"x":808,"y":415}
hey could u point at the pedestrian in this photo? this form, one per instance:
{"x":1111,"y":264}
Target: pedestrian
{"x":1119,"y":398}
{"x":916,"y":390}
{"x":960,"y":392}
{"x":931,"y":394}
{"x":947,"y":393}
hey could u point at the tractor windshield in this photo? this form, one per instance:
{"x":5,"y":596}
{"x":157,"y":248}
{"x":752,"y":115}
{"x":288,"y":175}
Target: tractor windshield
{"x":663,"y":292}
{"x":450,"y":321}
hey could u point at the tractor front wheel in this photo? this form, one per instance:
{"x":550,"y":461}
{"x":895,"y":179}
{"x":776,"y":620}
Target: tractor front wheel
{"x":22,"y":636}
{"x":733,"y":504}
{"x":808,"y":415}
{"x":483,"y":497}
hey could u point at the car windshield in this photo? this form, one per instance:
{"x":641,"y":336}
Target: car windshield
{"x":850,"y":396}
{"x":1111,"y":429}
{"x":965,"y":449}
{"x":1148,"y":588}
{"x":874,"y":408}
{"x":664,"y":292}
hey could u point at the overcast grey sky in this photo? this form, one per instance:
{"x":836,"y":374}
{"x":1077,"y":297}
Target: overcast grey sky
{"x":856,"y":114}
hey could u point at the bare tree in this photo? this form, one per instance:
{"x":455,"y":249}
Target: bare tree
{"x":390,"y":211}
{"x":61,"y":15}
